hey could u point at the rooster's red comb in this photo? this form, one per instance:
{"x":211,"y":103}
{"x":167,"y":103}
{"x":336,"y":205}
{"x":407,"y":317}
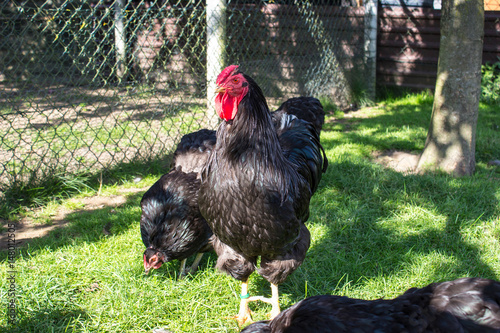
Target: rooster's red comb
{"x":226,"y":72}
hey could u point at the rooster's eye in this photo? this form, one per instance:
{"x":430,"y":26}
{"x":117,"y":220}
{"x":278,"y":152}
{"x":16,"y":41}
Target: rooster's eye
{"x":236,"y":80}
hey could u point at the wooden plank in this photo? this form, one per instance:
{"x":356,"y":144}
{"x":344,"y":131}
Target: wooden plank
{"x":414,"y":30}
{"x":417,"y":86}
{"x":414,"y":45}
{"x":492,"y":15}
{"x":407,"y":3}
{"x":405,"y":80}
{"x":404,"y":67}
{"x":405,"y":13}
{"x":407,"y":39}
{"x":408,"y":52}
{"x":417,"y":75}
{"x":491,"y":32}
{"x":408,"y":66}
{"x":412,"y":59}
{"x":491,"y":47}
{"x":490,"y":58}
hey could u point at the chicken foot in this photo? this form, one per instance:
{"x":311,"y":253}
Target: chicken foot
{"x":245,"y":315}
{"x":183,"y":271}
{"x":196,"y":262}
{"x":274,"y":301}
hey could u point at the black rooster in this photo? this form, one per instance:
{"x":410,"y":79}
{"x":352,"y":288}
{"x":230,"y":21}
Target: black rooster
{"x":171,"y":224}
{"x":465,"y":305}
{"x":257,"y":185}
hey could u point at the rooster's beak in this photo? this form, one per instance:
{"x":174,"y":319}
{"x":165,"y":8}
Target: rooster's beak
{"x":220,"y":90}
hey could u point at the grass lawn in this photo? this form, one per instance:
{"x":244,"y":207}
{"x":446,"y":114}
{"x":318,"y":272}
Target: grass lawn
{"x":375,"y":233}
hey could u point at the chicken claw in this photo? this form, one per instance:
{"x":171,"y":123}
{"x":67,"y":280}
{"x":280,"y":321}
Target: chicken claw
{"x":195,"y":264}
{"x":274,"y":301}
{"x":191,"y":270}
{"x":244,"y":315}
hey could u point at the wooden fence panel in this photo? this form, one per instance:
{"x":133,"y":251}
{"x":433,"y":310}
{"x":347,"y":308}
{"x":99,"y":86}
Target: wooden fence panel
{"x":408,"y":45}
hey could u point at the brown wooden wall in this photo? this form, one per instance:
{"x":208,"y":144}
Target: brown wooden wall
{"x":408,"y":45}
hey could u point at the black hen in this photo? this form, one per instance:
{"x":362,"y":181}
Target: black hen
{"x":171,"y":224}
{"x":257,"y":185}
{"x":305,"y":108}
{"x":464,"y":305}
{"x":193,"y":150}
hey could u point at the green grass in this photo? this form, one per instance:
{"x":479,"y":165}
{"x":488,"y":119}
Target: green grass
{"x":375,"y":233}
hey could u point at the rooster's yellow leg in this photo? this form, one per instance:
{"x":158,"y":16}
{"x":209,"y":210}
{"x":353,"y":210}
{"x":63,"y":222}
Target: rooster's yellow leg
{"x":244,"y":314}
{"x":275,"y":301}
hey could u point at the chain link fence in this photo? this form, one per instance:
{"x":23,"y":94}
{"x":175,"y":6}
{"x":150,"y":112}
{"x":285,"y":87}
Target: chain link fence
{"x":85,"y":85}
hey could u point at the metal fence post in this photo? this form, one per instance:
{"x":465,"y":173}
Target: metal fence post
{"x":371,"y":14}
{"x":216,"y":46}
{"x":120,"y":44}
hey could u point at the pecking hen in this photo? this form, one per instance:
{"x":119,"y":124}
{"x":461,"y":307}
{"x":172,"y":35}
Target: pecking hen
{"x":465,"y":305}
{"x":172,"y":226}
{"x":257,"y":184}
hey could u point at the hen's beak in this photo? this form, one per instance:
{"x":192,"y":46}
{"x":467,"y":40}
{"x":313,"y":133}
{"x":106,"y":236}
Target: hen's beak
{"x":154,"y":262}
{"x":147,"y":266}
{"x":220,"y":90}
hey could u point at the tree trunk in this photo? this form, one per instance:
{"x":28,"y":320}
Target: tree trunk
{"x":451,"y":140}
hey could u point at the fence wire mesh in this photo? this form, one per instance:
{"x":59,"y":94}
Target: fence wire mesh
{"x":85,"y":85}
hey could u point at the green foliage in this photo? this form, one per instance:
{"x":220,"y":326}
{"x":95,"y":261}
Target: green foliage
{"x":330,"y":107}
{"x":490,"y":83}
{"x":358,"y":89}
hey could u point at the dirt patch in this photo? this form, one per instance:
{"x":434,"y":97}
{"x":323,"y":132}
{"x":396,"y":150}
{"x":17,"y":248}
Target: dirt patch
{"x":399,"y":161}
{"x":26,"y":229}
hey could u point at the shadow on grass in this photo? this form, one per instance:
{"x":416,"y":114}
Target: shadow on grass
{"x":84,"y":226}
{"x":60,"y":185}
{"x":412,"y":116}
{"x":356,"y":205}
{"x":49,"y":320}
{"x":358,"y":202}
